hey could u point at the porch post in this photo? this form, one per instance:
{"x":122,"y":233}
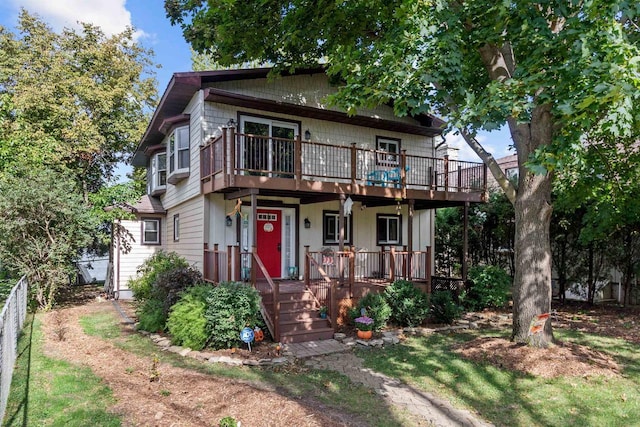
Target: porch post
{"x":231,"y":171}
{"x":229,"y":259}
{"x":352,"y":270}
{"x":216,"y":264}
{"x":427,"y":268}
{"x":205,"y":261}
{"x":254,"y":222}
{"x":307,"y":266}
{"x":353,"y":164}
{"x":465,"y":242}
{"x":446,"y":177}
{"x":236,"y":259}
{"x":341,"y":223}
{"x":410,"y":241}
{"x":392,"y":264}
{"x":298,"y":161}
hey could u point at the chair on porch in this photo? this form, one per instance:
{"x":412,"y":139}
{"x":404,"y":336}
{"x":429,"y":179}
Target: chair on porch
{"x":394,"y":177}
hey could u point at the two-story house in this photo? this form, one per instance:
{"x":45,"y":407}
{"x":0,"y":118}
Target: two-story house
{"x":259,"y":179}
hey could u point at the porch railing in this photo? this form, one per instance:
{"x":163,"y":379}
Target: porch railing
{"x":235,"y":154}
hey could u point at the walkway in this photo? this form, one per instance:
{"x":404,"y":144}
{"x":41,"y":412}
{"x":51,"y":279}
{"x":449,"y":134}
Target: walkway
{"x":426,"y":406}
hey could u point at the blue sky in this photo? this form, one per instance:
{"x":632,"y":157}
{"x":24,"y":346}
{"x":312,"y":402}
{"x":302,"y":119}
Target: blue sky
{"x":172,"y":53}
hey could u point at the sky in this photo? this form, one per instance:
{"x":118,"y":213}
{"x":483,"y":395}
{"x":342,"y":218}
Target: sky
{"x":154,"y":31}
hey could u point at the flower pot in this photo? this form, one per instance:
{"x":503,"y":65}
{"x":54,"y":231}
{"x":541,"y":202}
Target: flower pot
{"x":323,"y":315}
{"x":365,"y":335}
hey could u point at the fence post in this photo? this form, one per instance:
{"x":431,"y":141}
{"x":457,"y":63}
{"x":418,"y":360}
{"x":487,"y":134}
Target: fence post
{"x":307,"y":266}
{"x":229,"y":258}
{"x":236,"y":261}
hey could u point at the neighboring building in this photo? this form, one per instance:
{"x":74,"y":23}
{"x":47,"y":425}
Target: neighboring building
{"x":509,"y":165}
{"x":241,"y":161}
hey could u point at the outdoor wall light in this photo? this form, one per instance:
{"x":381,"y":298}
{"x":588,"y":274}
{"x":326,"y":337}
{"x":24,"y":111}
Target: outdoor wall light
{"x":307,"y":135}
{"x":231,"y":123}
{"x":228,"y":221}
{"x":307,"y":223}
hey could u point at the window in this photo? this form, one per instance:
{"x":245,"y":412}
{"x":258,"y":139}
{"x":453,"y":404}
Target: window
{"x":150,"y":231}
{"x":389,"y":229}
{"x":158,"y":177}
{"x":388,"y":151}
{"x":512,"y":174}
{"x":178,"y":152}
{"x":331,"y":231}
{"x":176,"y":227}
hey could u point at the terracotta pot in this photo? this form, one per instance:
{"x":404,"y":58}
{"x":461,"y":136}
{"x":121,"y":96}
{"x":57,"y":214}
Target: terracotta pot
{"x":365,"y":335}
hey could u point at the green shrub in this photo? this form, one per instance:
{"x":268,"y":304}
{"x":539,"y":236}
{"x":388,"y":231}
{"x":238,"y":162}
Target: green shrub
{"x":151,"y":316}
{"x":171,"y":283}
{"x":230,"y":307}
{"x":149,"y":271}
{"x":443,"y":307}
{"x":409,"y":305}
{"x":187,"y":323}
{"x":490,"y":288}
{"x":376,"y":307}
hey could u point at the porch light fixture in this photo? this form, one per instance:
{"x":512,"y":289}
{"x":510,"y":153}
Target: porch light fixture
{"x":307,"y":223}
{"x":231,"y":123}
{"x":307,"y":135}
{"x":228,"y":221}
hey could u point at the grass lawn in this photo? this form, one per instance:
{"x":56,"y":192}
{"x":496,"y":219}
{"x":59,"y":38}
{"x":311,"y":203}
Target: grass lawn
{"x":51,"y":392}
{"x":508,"y":398}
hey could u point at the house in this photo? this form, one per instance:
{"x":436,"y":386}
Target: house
{"x":132,"y":241}
{"x":259,"y":179}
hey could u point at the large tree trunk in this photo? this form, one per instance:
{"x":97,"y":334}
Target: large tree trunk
{"x":532,"y":284}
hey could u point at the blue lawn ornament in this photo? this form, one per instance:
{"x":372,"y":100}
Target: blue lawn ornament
{"x":246,"y":335}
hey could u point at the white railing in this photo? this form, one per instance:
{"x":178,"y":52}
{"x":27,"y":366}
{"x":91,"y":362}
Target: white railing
{"x":12,"y":319}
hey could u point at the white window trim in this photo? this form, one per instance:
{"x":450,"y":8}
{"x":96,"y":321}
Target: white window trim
{"x":156,"y":187}
{"x":387,"y":241}
{"x":177,"y":171}
{"x":144,"y":232}
{"x":384,"y":156}
{"x":176,"y":227}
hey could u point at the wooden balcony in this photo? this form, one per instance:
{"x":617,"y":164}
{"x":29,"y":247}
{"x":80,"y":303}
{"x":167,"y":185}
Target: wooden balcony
{"x":286,"y":167}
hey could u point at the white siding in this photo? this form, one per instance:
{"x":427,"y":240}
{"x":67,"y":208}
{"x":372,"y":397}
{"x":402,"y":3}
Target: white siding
{"x":125,"y":265}
{"x":191,"y":243}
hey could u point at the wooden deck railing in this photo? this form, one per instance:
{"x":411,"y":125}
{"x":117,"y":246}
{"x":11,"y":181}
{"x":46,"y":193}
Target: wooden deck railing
{"x":234,"y":154}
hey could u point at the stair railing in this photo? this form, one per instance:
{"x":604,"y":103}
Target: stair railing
{"x":272,"y":319}
{"x":311,"y":262}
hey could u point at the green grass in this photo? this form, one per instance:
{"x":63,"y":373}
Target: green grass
{"x":51,"y":392}
{"x":507,"y":398}
{"x":55,"y":393}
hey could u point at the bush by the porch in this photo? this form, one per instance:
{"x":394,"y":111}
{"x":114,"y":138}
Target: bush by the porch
{"x":149,"y":271}
{"x":490,"y":287}
{"x":443,"y":307}
{"x":230,"y":307}
{"x":187,"y":323}
{"x":376,"y":307}
{"x":409,"y":305}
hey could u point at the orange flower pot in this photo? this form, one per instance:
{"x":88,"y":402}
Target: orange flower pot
{"x":365,"y":335}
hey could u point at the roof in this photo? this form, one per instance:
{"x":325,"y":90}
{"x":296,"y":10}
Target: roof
{"x":183,"y":85}
{"x":146,"y":205}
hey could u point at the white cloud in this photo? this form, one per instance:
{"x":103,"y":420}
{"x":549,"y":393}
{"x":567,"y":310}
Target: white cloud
{"x":110,"y":15}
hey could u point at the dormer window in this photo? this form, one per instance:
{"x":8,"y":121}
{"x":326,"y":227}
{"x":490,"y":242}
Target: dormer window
{"x":158,"y":176}
{"x":178,"y":153}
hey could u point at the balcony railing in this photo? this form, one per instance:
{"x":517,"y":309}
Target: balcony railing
{"x":234,"y":154}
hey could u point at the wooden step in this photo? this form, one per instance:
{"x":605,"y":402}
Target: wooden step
{"x":298,"y":314}
{"x":304,"y":336}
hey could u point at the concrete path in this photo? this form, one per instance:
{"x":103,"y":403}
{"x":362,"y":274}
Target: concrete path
{"x":426,"y":406}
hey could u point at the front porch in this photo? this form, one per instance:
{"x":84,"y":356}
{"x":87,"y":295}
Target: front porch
{"x":330,"y":278}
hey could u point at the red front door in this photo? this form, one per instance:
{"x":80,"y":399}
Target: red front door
{"x":270,"y":240}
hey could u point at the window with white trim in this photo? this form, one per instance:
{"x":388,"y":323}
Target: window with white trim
{"x":331,"y":229}
{"x":388,"y":229}
{"x":176,"y":227}
{"x":178,"y":153}
{"x":388,"y":151}
{"x":151,"y":231}
{"x":158,"y":178}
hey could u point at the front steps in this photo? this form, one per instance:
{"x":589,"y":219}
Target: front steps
{"x":299,"y":317}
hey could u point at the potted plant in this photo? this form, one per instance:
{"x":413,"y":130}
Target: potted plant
{"x":364,"y":325}
{"x":323,"y":311}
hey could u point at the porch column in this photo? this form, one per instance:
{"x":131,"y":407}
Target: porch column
{"x":254,"y":223}
{"x":410,"y":240}
{"x":341,"y":222}
{"x":465,"y":242}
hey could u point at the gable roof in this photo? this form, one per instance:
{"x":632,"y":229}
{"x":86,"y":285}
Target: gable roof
{"x":183,"y":85}
{"x":146,"y":205}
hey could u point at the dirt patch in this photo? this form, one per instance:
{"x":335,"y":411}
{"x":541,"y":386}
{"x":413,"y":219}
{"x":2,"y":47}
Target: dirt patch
{"x":563,"y":359}
{"x":150,"y":393}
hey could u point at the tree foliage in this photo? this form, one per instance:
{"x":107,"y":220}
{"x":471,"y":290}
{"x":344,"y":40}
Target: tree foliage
{"x":72,"y":101}
{"x":552,"y":71}
{"x":44,"y":226}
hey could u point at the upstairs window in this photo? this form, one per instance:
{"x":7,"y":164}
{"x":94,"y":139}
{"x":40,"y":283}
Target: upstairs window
{"x":158,"y":177}
{"x":388,"y":151}
{"x":150,"y":231}
{"x":388,"y":229}
{"x":331,"y":230}
{"x":178,"y":152}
